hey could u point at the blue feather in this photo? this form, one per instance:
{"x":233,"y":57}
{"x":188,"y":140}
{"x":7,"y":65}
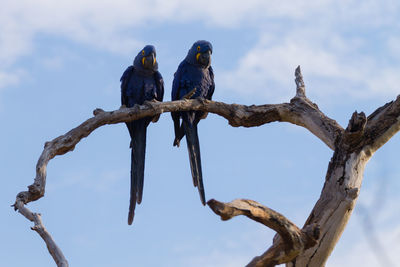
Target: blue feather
{"x":194,"y":72}
{"x":139,"y":83}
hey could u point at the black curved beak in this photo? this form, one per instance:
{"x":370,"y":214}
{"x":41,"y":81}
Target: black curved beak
{"x":205,"y":58}
{"x":149,"y":61}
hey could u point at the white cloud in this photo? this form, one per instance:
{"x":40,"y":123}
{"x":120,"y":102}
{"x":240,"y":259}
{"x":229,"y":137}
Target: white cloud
{"x":90,"y":22}
{"x":8,"y":79}
{"x":334,"y":62}
{"x":103,"y":24}
{"x":311,"y":33}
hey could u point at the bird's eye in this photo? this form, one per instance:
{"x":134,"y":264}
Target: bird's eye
{"x":142,"y":52}
{"x":198,"y":48}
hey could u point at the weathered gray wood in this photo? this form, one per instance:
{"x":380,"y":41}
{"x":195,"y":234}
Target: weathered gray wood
{"x":354,"y":148}
{"x":338,"y":197}
{"x":291,"y":241}
{"x":52,"y":247}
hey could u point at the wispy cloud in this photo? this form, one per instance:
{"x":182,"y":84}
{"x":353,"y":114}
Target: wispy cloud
{"x":104,"y":24}
{"x":345,"y":49}
{"x":332,"y":41}
{"x":9,"y":78}
{"x":268,"y":68}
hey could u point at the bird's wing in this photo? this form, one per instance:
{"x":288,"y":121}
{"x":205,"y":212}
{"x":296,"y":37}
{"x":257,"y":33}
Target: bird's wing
{"x":212,"y":87}
{"x":176,"y":84}
{"x":159,"y":85}
{"x":124,"y":84}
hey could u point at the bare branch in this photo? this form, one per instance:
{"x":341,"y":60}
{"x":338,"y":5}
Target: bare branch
{"x":54,"y":250}
{"x":300,"y":87}
{"x":382,"y":124}
{"x":292,"y":240}
{"x":299,"y":112}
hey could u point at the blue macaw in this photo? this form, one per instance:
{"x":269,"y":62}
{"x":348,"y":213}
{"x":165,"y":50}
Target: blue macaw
{"x":140,"y":82}
{"x":193,"y":79}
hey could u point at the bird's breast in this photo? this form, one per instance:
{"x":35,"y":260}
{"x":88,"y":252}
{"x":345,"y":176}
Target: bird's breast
{"x":140,"y":89}
{"x":196,"y":78}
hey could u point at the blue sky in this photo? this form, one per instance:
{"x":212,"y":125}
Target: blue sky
{"x":60,"y":60}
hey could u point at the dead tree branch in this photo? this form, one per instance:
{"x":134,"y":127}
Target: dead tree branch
{"x":291,"y":242}
{"x":36,"y":218}
{"x":300,"y":111}
{"x":352,"y":147}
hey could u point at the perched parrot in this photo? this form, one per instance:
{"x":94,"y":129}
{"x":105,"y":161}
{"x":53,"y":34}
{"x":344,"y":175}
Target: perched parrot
{"x":140,"y":82}
{"x":193,"y":79}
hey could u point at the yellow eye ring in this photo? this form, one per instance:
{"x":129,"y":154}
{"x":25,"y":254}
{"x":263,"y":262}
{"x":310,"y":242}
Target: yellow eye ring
{"x":198,"y":48}
{"x":142,"y":52}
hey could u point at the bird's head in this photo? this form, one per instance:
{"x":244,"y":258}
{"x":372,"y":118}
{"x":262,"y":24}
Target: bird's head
{"x":200,"y":54}
{"x":146,"y":58}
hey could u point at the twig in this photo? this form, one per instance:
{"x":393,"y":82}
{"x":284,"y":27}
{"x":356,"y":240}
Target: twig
{"x":52,"y":247}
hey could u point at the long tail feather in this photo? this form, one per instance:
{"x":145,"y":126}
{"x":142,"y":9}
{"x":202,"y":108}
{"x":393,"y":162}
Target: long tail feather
{"x":137,"y":166}
{"x":178,"y":130}
{"x":193,"y":146}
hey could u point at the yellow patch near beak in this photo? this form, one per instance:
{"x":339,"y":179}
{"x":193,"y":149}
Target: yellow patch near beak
{"x":143,"y":60}
{"x":154,"y":62}
{"x":197,"y":56}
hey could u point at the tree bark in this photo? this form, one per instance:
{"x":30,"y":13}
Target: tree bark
{"x":309,"y":246}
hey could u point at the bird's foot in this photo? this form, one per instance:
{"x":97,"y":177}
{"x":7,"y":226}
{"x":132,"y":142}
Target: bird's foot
{"x":190,"y":94}
{"x":155,"y":118}
{"x":177,"y":142}
{"x":204,"y":115}
{"x":202,"y":100}
{"x":150,"y":102}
